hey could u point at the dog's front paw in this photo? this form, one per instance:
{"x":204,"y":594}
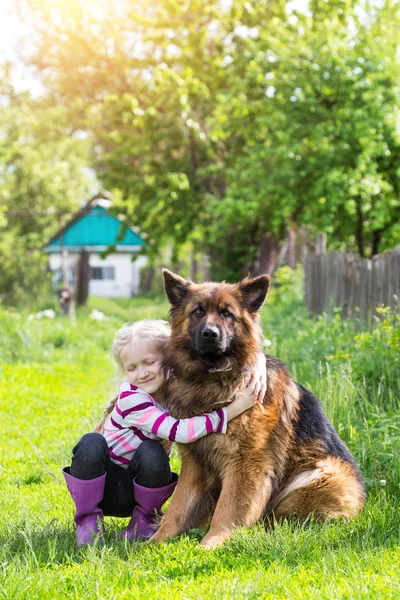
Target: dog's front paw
{"x":160,"y":536}
{"x":211,"y":542}
{"x":154,"y":538}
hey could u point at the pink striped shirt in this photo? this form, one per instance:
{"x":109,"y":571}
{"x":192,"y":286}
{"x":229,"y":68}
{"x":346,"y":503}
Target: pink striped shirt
{"x":137,"y":417}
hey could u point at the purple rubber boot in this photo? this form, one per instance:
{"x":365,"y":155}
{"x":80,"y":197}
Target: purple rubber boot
{"x":86,"y":494}
{"x":148,"y":502}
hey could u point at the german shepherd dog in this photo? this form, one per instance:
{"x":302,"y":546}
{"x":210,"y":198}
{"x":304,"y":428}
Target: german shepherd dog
{"x":279,"y":459}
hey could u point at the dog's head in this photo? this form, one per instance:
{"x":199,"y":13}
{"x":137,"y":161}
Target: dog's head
{"x":215,"y":325}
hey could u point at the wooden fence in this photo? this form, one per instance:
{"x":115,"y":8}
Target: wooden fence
{"x":355,"y":285}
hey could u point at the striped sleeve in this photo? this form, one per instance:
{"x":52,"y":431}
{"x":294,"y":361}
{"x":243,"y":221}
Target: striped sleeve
{"x":137,"y":409}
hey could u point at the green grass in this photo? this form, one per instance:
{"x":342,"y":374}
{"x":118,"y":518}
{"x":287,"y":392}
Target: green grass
{"x":55,"y":378}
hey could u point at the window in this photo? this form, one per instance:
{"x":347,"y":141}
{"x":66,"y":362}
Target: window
{"x":102,"y":273}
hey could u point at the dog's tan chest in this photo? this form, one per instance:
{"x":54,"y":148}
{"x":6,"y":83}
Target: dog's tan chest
{"x":246,"y":435}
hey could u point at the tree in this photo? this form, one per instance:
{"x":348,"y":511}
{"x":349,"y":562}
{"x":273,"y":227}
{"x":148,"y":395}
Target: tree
{"x":310,"y":124}
{"x":42,"y":179}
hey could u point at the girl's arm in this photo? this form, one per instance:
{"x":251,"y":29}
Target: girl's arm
{"x":136,"y":409}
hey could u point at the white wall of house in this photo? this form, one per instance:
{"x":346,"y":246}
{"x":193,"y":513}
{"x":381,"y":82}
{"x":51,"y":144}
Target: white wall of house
{"x":114,"y":277}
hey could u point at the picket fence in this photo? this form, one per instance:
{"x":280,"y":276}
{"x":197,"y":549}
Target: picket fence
{"x":357,"y":286}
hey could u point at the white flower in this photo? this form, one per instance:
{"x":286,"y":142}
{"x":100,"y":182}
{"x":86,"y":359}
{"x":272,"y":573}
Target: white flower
{"x":382,"y":482}
{"x":270,"y":91}
{"x":266,"y":343}
{"x":97,"y":315}
{"x":48,"y":314}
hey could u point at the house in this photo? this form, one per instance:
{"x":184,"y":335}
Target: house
{"x":92,"y":231}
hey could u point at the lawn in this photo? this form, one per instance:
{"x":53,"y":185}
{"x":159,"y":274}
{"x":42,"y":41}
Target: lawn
{"x":55,"y":379}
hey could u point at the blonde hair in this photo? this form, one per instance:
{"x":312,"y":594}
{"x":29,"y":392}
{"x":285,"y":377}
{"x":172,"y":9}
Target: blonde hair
{"x":155,"y":330}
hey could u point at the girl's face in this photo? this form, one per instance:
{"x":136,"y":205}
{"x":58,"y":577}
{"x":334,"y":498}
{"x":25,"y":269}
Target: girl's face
{"x":142,"y":363}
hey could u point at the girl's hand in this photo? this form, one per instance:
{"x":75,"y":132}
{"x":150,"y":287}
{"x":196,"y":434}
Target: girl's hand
{"x":258,"y":378}
{"x":254,"y":391}
{"x":244,"y":400}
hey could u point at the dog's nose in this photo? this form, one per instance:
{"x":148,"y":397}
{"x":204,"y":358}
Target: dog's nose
{"x":210,"y":333}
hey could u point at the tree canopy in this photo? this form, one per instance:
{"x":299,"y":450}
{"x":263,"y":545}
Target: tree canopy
{"x":219,"y":123}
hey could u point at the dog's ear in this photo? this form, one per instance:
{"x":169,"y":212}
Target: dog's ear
{"x":254,"y":291}
{"x":175,"y":287}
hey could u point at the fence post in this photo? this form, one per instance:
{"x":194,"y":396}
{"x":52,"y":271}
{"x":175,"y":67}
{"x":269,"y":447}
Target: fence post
{"x":321,"y":243}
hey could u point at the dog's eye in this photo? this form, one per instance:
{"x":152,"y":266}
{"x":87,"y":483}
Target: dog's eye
{"x":198,"y":312}
{"x":225,"y":313}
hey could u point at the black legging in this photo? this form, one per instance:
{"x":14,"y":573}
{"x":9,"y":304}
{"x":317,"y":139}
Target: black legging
{"x":149,"y":466}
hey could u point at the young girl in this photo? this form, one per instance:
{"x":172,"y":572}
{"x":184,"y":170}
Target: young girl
{"x":123,"y":468}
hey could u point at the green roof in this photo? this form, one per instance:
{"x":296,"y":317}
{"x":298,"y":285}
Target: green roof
{"x":94,"y":229}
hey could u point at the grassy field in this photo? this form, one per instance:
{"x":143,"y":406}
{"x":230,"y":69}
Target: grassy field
{"x":55,"y":379}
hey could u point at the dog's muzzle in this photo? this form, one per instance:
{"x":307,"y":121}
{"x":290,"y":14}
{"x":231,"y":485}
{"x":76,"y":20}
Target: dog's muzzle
{"x":209,"y":340}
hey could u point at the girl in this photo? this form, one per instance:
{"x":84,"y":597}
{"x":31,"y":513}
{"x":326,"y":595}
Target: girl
{"x":123,"y":468}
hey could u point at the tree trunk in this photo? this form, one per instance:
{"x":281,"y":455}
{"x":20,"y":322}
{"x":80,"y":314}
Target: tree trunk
{"x":303,"y":245}
{"x":291,"y":236}
{"x":205,"y":267}
{"x":360,"y":228}
{"x":82,"y":292}
{"x":147,"y":279}
{"x":376,"y":240}
{"x":267,"y":254}
{"x":194,"y":266}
